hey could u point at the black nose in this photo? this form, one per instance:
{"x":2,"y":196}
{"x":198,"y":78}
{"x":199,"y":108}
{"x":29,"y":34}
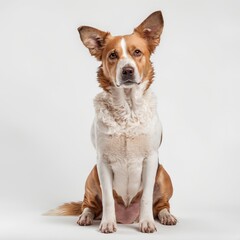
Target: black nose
{"x":127,"y":73}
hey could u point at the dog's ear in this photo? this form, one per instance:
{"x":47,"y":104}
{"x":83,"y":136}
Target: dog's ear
{"x":93,"y":39}
{"x":151,"y":29}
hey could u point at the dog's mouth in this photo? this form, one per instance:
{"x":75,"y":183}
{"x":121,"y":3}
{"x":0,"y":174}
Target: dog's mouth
{"x":128,"y":82}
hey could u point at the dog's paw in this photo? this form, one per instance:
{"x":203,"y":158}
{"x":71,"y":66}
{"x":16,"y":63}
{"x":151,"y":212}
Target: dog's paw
{"x":108,"y":227}
{"x":85,"y":219}
{"x":147,"y":226}
{"x":166,"y":218}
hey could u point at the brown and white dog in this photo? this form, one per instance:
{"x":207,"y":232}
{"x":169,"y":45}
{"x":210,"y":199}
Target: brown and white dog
{"x":127,"y":184}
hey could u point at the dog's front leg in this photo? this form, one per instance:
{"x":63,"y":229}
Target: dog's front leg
{"x":108,"y":223}
{"x":150,"y":165}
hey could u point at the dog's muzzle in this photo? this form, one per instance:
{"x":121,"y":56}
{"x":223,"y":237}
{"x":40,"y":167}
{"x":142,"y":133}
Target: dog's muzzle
{"x":128,"y":76}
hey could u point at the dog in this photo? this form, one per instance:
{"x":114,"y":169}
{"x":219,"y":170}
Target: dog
{"x":127,"y":184}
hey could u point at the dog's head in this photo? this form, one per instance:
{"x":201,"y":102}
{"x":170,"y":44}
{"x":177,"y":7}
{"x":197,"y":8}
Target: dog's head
{"x":125,"y":59}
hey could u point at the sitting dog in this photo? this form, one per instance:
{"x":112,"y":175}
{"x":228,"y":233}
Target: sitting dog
{"x":127,"y":184}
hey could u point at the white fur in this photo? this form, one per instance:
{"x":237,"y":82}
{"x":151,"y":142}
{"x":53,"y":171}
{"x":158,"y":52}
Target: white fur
{"x":124,"y":47}
{"x":166,"y":218}
{"x":86,"y":218}
{"x":126,"y":134}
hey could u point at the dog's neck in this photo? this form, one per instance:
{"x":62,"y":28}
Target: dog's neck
{"x":129,"y":99}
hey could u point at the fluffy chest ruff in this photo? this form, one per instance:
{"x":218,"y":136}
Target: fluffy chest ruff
{"x":125,"y":112}
{"x":126,"y":129}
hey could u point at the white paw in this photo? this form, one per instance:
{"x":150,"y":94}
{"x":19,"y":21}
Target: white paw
{"x":108,"y":226}
{"x":166,"y":218}
{"x":147,"y":226}
{"x":86,"y":218}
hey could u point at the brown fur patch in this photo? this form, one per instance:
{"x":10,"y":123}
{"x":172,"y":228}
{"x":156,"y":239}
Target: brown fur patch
{"x":104,"y":82}
{"x":67,"y":209}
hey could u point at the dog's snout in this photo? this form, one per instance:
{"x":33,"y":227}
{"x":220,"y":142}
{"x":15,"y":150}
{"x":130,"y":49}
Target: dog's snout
{"x":127,"y":73}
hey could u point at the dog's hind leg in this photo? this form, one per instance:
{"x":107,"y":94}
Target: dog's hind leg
{"x":163,"y":191}
{"x":92,"y":203}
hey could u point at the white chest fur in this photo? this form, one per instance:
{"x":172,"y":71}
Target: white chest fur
{"x":125,"y":156}
{"x":126,"y":129}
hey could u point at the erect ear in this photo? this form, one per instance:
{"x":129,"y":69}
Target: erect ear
{"x":151,"y":29}
{"x":93,"y":39}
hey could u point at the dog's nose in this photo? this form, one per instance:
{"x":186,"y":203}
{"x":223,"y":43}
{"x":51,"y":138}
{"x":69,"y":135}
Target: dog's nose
{"x":127,"y":73}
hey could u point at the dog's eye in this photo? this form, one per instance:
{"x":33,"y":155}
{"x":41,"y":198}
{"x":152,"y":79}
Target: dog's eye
{"x":137,"y":53}
{"x":113,"y":55}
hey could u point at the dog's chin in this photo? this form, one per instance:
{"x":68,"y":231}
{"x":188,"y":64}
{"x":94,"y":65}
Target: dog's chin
{"x":128,"y":84}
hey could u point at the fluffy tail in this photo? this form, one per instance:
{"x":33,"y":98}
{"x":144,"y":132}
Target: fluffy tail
{"x":67,"y":209}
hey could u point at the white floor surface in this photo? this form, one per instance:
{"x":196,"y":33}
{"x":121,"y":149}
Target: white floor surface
{"x":216,"y":224}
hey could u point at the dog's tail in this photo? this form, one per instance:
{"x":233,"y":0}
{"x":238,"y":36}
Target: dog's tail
{"x":67,"y":209}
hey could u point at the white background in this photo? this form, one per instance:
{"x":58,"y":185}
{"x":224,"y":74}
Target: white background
{"x":48,"y":82}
